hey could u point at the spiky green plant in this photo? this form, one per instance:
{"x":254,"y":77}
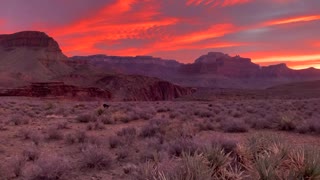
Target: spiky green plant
{"x":216,"y":157}
{"x":193,"y":167}
{"x":306,"y":163}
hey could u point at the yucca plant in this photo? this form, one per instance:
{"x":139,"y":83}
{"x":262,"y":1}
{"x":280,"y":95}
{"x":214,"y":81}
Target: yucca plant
{"x":305,"y":163}
{"x":235,"y":172}
{"x":265,"y":166}
{"x":216,"y":157}
{"x":193,"y":167}
{"x":267,"y":155}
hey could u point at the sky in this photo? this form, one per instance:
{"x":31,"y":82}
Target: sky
{"x":267,"y":31}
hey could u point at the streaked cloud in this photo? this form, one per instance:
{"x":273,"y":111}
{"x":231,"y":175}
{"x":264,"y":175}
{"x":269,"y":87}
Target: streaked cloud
{"x":215,"y":3}
{"x":293,"y":20}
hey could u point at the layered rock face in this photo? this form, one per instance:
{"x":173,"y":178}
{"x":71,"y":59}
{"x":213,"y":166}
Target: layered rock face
{"x":30,"y":56}
{"x":141,"y":65}
{"x":141,"y":88}
{"x":222,"y":65}
{"x":55,"y":89}
{"x":29,"y":39}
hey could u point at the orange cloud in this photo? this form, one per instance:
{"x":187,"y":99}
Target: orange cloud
{"x":145,"y":51}
{"x":98,"y":20}
{"x":178,"y":42}
{"x":291,"y":58}
{"x":215,"y":3}
{"x":293,"y":20}
{"x":113,"y":22}
{"x":190,"y":41}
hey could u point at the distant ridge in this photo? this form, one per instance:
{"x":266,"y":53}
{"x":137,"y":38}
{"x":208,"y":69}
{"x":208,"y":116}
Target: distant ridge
{"x":32,"y":56}
{"x":214,"y":69}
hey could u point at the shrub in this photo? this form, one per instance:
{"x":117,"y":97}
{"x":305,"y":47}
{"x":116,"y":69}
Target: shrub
{"x":85,"y":118}
{"x":25,"y":134}
{"x":191,"y":167}
{"x":234,"y":126}
{"x":314,"y":125}
{"x":286,"y":123}
{"x":95,"y":126}
{"x":130,"y":131}
{"x":107,"y":120}
{"x":95,"y":158}
{"x":31,"y":154}
{"x":122,"y":154}
{"x":63,"y":125}
{"x":54,"y":134}
{"x":228,"y":145}
{"x":305,"y":163}
{"x":19,"y":120}
{"x":49,"y":168}
{"x":150,"y":130}
{"x":115,"y":142}
{"x":216,"y":157}
{"x":17,"y":164}
{"x":100,"y":111}
{"x":236,"y":114}
{"x":259,"y":123}
{"x":77,"y":137}
{"x":205,"y":126}
{"x":163,"y":109}
{"x":180,"y":146}
{"x":123,"y":118}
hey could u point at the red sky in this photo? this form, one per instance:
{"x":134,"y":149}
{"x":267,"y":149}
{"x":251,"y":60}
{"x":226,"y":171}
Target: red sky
{"x":267,"y":31}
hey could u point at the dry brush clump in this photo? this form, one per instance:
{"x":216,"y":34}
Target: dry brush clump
{"x":94,"y":157}
{"x":86,"y":118}
{"x":53,"y":134}
{"x":19,"y":120}
{"x":115,"y":142}
{"x":234,"y":126}
{"x":76,"y":137}
{"x":49,"y":167}
{"x":155,"y":127}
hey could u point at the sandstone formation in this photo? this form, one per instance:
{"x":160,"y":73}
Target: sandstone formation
{"x":141,"y":88}
{"x":55,"y":89}
{"x":29,"y":39}
{"x":30,"y":56}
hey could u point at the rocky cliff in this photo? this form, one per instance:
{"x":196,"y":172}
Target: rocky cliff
{"x":141,"y":88}
{"x":220,"y":64}
{"x":30,"y":56}
{"x":55,"y":89}
{"x":33,"y":39}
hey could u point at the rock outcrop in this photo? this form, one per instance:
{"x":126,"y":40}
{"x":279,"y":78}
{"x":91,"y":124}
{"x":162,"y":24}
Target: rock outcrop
{"x":141,"y":65}
{"x":30,"y":56}
{"x":33,"y":39}
{"x":141,"y":88}
{"x":55,"y":89}
{"x":220,"y":64}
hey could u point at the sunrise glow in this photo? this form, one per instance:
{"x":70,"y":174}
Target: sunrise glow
{"x":277,"y":30}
